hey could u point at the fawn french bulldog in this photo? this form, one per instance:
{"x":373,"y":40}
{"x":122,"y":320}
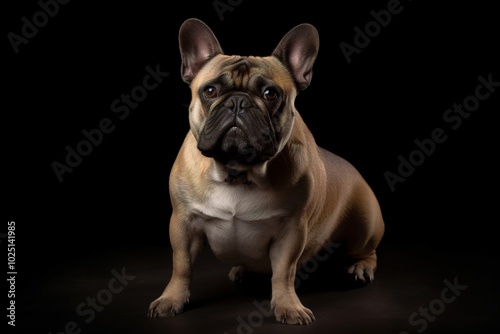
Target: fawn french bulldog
{"x":250,"y":179}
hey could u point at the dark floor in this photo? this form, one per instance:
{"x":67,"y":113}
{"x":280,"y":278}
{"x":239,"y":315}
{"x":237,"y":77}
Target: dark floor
{"x":411,"y":294}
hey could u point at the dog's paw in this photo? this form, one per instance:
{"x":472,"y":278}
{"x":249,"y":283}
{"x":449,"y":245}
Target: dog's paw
{"x":166,"y":307}
{"x":236,"y":274}
{"x":293,"y":314}
{"x":362,"y":271}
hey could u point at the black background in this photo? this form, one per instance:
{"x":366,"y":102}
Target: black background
{"x":370,"y":111}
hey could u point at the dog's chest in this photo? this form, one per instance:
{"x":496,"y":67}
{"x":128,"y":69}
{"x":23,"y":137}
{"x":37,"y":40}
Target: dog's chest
{"x":239,"y":222}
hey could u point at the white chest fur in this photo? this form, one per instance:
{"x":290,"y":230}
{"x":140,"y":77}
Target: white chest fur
{"x":240,"y":221}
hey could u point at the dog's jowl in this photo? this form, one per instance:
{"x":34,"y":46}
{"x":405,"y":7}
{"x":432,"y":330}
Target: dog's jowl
{"x":250,"y":180}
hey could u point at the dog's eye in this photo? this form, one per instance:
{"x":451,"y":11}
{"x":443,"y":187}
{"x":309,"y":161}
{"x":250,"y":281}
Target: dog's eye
{"x":210,"y":92}
{"x":270,"y":94}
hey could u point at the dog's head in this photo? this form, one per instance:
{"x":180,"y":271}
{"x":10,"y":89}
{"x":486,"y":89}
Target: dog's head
{"x":242,"y":108}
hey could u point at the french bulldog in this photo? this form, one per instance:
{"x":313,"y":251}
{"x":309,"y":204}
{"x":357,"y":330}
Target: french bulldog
{"x":250,"y":180}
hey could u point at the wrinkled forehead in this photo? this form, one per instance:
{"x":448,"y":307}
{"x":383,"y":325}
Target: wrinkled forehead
{"x":241,"y":72}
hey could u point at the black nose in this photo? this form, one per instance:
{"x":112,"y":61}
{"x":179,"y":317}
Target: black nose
{"x":237,"y":104}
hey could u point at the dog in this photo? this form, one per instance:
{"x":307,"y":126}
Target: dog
{"x":251,"y":181}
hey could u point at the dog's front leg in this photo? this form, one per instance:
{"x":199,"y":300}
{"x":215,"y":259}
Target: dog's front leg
{"x":285,"y":253}
{"x":185,"y":246}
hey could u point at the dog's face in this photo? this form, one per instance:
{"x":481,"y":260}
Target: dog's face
{"x":242,"y":108}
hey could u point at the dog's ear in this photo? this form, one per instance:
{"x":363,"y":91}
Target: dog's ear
{"x":197,"y":44}
{"x":297,"y":50}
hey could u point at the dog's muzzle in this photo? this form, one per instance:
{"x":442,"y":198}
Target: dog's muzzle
{"x":238,"y":130}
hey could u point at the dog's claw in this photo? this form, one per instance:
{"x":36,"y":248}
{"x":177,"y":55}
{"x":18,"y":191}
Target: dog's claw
{"x":236,"y":274}
{"x":361,"y":272}
{"x":295,"y":316}
{"x":167,"y":307}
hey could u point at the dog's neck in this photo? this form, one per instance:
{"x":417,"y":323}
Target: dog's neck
{"x":246,"y":175}
{"x":237,"y":176}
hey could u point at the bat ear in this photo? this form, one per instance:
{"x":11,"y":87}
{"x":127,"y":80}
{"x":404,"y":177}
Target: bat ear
{"x":197,"y":44}
{"x":297,"y":50}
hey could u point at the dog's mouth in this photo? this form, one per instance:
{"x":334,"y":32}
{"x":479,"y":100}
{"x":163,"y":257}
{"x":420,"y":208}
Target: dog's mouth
{"x":233,"y":139}
{"x":235,"y":143}
{"x":235,"y":146}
